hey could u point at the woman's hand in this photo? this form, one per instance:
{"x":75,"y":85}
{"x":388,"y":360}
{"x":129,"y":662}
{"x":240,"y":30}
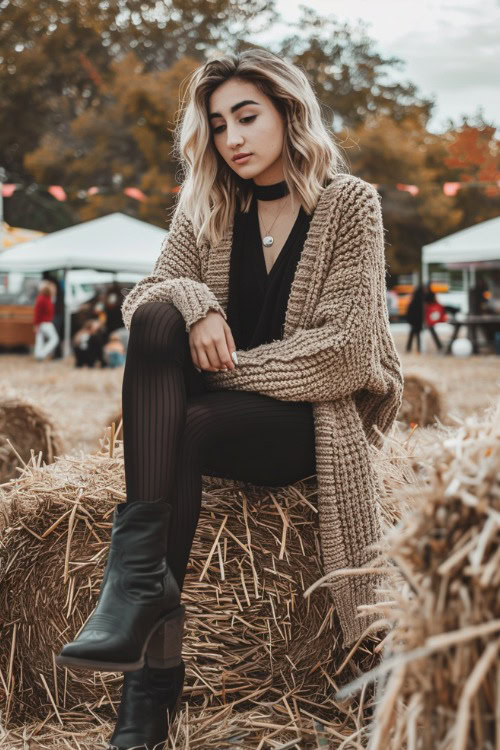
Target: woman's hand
{"x":211,"y":343}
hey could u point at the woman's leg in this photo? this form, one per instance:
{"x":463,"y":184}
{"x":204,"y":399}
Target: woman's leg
{"x":436,"y":338}
{"x":414,"y":334}
{"x":237,"y":435}
{"x":157,"y":377}
{"x":410,"y":339}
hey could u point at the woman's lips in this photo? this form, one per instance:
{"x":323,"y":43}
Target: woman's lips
{"x":242,"y":159}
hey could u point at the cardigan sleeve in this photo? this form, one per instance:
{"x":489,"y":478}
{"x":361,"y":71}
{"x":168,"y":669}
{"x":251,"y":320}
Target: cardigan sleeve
{"x":335,"y":358}
{"x":176,"y":278}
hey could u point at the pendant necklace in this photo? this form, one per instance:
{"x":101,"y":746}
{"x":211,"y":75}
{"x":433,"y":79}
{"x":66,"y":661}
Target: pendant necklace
{"x":271,"y":192}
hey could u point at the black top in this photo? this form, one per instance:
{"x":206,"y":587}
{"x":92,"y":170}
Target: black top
{"x":257,"y":300}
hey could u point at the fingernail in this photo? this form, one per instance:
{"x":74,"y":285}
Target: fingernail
{"x":234,"y":357}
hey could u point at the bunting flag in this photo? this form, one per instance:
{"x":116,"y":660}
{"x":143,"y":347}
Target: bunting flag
{"x":135,"y":193}
{"x":8,"y":189}
{"x":412,"y":189}
{"x":58,"y":192}
{"x":449,"y":189}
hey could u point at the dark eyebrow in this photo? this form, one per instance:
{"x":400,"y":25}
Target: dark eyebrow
{"x":234,"y":108}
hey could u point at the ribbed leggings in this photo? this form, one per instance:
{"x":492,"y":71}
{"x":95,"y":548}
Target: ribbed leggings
{"x":175,"y":431}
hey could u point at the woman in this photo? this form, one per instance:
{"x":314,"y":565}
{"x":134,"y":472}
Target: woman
{"x":259,"y":350}
{"x":434,"y":313}
{"x":46,"y":336}
{"x":415,"y":317}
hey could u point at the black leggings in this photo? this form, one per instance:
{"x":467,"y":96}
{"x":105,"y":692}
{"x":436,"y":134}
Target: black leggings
{"x":175,"y":430}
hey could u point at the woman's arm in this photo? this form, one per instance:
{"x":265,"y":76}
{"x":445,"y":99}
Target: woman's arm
{"x":334,"y":359}
{"x":176,"y":278}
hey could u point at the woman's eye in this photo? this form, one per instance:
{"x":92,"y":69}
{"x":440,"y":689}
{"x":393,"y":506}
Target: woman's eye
{"x":250,"y":118}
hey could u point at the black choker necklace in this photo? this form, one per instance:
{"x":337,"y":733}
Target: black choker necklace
{"x":270,"y":192}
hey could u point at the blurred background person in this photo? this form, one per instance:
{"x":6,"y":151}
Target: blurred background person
{"x":434,"y":312}
{"x":58,"y":320}
{"x":478,"y":300}
{"x":46,"y":336}
{"x":88,"y":344}
{"x":114,"y":351}
{"x":415,"y":317}
{"x":113,"y":308}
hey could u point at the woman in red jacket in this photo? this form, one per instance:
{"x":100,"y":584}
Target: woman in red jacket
{"x":434,"y":312}
{"x":46,"y":336}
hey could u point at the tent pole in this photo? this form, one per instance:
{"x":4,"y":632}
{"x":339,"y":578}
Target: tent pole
{"x":424,"y":280}
{"x":67,"y":317}
{"x":425,"y":273}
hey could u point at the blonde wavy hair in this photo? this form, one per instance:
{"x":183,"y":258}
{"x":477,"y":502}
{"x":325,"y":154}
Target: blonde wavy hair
{"x":210,"y":188}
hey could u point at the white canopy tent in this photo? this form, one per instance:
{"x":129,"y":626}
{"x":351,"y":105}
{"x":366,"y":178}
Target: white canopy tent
{"x":115,"y":243}
{"x":475,"y":247}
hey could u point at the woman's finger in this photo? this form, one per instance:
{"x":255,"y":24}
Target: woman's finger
{"x":213,"y":357}
{"x":203,"y":359}
{"x":224,"y":353}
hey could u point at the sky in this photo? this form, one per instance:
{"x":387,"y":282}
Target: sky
{"x":451,"y":48}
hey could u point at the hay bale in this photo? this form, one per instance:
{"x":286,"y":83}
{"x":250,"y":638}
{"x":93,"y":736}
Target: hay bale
{"x":440,"y":677}
{"x":422,"y":401}
{"x":251,"y":636}
{"x":25,"y":430}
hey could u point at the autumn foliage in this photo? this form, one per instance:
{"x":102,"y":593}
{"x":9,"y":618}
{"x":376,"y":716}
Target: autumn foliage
{"x":90,"y":94}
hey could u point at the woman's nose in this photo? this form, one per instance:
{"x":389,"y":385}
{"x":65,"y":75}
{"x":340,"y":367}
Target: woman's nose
{"x":233,"y":138}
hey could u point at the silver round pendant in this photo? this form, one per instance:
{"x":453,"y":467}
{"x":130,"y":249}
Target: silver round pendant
{"x":268,"y":241}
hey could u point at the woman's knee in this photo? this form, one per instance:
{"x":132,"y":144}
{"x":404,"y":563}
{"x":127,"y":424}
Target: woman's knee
{"x":157,"y":329}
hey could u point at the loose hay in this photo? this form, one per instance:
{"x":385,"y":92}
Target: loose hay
{"x":25,"y":427}
{"x":116,"y":419}
{"x":422,"y":401}
{"x":442,"y":677}
{"x":252,"y":642}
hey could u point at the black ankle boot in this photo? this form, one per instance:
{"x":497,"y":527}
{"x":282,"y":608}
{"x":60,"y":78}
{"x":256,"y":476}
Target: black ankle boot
{"x":151,"y":696}
{"x":150,"y":700}
{"x":138,"y":593}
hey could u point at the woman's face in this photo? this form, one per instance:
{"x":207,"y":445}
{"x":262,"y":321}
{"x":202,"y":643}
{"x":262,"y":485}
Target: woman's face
{"x":253,"y":127}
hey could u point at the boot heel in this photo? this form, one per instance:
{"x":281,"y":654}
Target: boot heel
{"x":165,"y":646}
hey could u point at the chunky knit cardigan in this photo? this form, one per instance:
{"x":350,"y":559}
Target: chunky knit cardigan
{"x":337,"y":351}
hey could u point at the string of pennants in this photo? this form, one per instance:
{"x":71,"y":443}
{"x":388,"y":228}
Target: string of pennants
{"x":60,"y":194}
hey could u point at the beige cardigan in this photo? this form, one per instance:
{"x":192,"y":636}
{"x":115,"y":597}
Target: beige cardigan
{"x":337,"y":352}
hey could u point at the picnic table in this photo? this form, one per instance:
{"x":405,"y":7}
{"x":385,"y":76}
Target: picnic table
{"x":489,"y":323}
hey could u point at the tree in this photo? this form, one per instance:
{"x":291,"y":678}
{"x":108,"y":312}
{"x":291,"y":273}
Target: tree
{"x":127,"y":141}
{"x":55,"y":56}
{"x":348,"y":74}
{"x":473,"y":155}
